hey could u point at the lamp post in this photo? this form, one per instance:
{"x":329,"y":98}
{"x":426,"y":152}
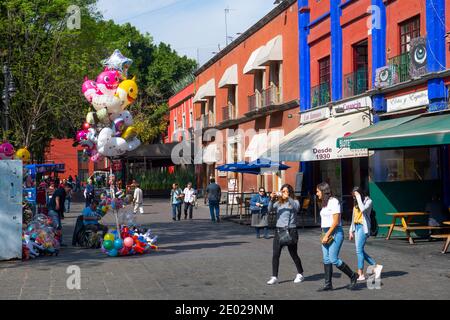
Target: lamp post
{"x":8,"y":92}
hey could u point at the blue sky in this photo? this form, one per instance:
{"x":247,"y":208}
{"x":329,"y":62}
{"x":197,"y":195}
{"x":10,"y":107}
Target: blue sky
{"x":187,"y":25}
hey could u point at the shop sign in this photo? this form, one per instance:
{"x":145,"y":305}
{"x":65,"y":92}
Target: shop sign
{"x":330,"y":152}
{"x":117,"y":165}
{"x":416,"y":99}
{"x":352,"y":106}
{"x":314,"y":115}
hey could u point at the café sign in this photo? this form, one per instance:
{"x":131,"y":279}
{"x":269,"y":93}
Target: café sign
{"x":416,"y":99}
{"x":314,"y":115}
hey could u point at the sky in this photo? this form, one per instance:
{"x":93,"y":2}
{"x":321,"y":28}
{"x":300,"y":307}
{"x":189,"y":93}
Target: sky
{"x":195,"y":28}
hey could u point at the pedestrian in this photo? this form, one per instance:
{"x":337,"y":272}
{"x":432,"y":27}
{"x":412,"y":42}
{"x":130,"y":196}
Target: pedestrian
{"x":332,"y":237}
{"x":56,"y":207}
{"x":176,"y":199}
{"x":360,"y":231}
{"x":69,"y":198}
{"x":212,"y":195}
{"x":138,"y":199}
{"x":77,"y":184}
{"x":287,"y":209}
{"x":189,"y":200}
{"x":259,"y":204}
{"x":89,"y":192}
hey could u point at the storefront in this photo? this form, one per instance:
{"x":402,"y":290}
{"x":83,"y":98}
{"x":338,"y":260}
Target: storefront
{"x":410,"y":164}
{"x":313,"y":143}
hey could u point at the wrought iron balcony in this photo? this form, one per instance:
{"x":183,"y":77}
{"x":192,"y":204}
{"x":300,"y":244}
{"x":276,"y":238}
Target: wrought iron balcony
{"x":254,"y":102}
{"x":271,"y":96}
{"x":320,"y":94}
{"x":355,"y":83}
{"x":400,"y":65}
{"x":228,"y":112}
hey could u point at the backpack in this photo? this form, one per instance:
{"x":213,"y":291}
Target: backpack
{"x":373,"y":224}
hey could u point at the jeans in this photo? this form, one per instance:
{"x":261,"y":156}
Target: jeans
{"x":188,"y":207}
{"x":68,"y":201}
{"x":331,"y":251}
{"x":176,"y":208}
{"x":266,"y":231}
{"x":292,"y":251}
{"x":214,"y":206}
{"x":360,"y":242}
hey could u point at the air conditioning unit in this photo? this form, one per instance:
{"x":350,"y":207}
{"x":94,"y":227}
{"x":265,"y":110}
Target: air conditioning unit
{"x":386,"y":76}
{"x":418,"y":57}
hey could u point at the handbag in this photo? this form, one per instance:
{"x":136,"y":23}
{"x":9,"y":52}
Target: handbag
{"x":330,"y":239}
{"x":284,"y":235}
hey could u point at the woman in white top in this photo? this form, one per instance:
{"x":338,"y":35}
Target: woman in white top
{"x":333,"y":237}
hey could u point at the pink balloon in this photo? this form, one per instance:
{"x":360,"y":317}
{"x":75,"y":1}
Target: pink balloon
{"x":89,"y":88}
{"x":108,"y":81}
{"x":82,"y":135}
{"x":8,"y":149}
{"x":128,"y":242}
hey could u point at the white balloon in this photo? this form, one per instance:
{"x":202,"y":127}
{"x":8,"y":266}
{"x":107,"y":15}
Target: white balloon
{"x":114,"y":147}
{"x":134,"y":144}
{"x":104,"y":137}
{"x":111,"y":103}
{"x":105,"y":90}
{"x":125,"y":115}
{"x":92,"y":135}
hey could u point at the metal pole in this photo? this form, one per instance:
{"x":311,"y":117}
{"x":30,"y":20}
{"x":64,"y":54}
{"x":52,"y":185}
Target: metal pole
{"x":227,"y":10}
{"x":6,"y":91}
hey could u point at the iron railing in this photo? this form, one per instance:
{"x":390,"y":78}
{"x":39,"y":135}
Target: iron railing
{"x":254,"y":102}
{"x":271,"y":96}
{"x":400,"y":68}
{"x":355,"y":83}
{"x":320,"y":94}
{"x":228,"y":112}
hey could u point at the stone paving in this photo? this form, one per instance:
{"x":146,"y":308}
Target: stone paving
{"x":201,"y":260}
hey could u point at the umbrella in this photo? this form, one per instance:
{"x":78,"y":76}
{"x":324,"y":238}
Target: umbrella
{"x":264,"y":164}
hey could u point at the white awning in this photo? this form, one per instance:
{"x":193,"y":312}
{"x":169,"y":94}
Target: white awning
{"x":317,"y":140}
{"x":251,"y":65}
{"x":261,"y":142}
{"x":206,"y":90}
{"x":230,"y":77}
{"x":272,"y":51}
{"x":211,"y":154}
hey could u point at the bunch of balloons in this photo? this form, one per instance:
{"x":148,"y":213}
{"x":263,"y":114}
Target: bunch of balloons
{"x":130,"y":241}
{"x":109,"y":131}
{"x":7,"y":152}
{"x":39,"y":238}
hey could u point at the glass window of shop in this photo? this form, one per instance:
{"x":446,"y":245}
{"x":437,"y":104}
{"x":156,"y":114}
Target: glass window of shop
{"x":415,"y":164}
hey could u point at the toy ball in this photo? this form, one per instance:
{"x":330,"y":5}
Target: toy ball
{"x":118,"y":244}
{"x":109,"y":236}
{"x":23,"y":154}
{"x":128,"y":242}
{"x":108,"y":244}
{"x":113,"y":253}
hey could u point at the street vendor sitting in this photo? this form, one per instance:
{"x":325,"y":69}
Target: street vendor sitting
{"x":91,"y":218}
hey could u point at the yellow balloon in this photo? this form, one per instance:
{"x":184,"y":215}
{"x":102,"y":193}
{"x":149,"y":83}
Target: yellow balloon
{"x":23,"y":154}
{"x":129,"y":133}
{"x":127,"y":92}
{"x":109,"y":236}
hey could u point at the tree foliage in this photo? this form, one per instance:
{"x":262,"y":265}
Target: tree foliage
{"x":48,"y":62}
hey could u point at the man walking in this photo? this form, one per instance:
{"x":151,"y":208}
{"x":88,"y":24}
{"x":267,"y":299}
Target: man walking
{"x":89,"y":192}
{"x":176,"y":199}
{"x":138,"y":199}
{"x":213,"y":194}
{"x":56,"y":206}
{"x":189,"y":199}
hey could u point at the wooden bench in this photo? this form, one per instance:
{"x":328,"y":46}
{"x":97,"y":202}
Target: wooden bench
{"x":407,"y":226}
{"x":443,"y":236}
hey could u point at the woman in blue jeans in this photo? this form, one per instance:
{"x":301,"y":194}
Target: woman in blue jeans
{"x":359,"y":230}
{"x":333,"y":237}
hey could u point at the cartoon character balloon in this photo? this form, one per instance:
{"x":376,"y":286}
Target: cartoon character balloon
{"x":6,"y":151}
{"x":108,"y":81}
{"x":117,"y":61}
{"x":23,"y":154}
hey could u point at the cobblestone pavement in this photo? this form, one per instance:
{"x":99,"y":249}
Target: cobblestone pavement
{"x":201,"y":260}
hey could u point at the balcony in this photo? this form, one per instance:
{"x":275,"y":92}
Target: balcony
{"x":268,"y":97}
{"x":228,"y":112}
{"x":400,"y":68}
{"x":320,"y":94}
{"x":355,"y":83}
{"x":206,"y":121}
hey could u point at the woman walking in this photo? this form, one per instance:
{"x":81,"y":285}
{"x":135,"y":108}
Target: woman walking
{"x":333,"y":237}
{"x":259,"y":204}
{"x":287,"y":209}
{"x":359,"y":230}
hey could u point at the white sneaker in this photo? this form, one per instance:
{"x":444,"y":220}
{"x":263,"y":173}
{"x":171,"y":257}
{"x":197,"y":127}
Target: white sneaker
{"x":299,"y":278}
{"x":361,"y":278}
{"x":272,"y":280}
{"x":377,"y":271}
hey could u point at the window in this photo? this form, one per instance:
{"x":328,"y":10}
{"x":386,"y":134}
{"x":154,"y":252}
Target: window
{"x":324,"y":70}
{"x":184,"y":121}
{"x":409,"y":29}
{"x":415,"y":164}
{"x":358,"y":81}
{"x":191,"y":119}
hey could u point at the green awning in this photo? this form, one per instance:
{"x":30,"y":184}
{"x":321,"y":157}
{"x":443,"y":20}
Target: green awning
{"x":412,"y":131}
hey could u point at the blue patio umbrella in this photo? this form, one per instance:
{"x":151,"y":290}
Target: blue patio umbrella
{"x":267,"y":164}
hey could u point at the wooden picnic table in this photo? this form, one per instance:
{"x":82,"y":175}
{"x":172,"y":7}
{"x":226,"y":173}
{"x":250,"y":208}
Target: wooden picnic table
{"x":406,"y":225}
{"x":446,"y":237}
